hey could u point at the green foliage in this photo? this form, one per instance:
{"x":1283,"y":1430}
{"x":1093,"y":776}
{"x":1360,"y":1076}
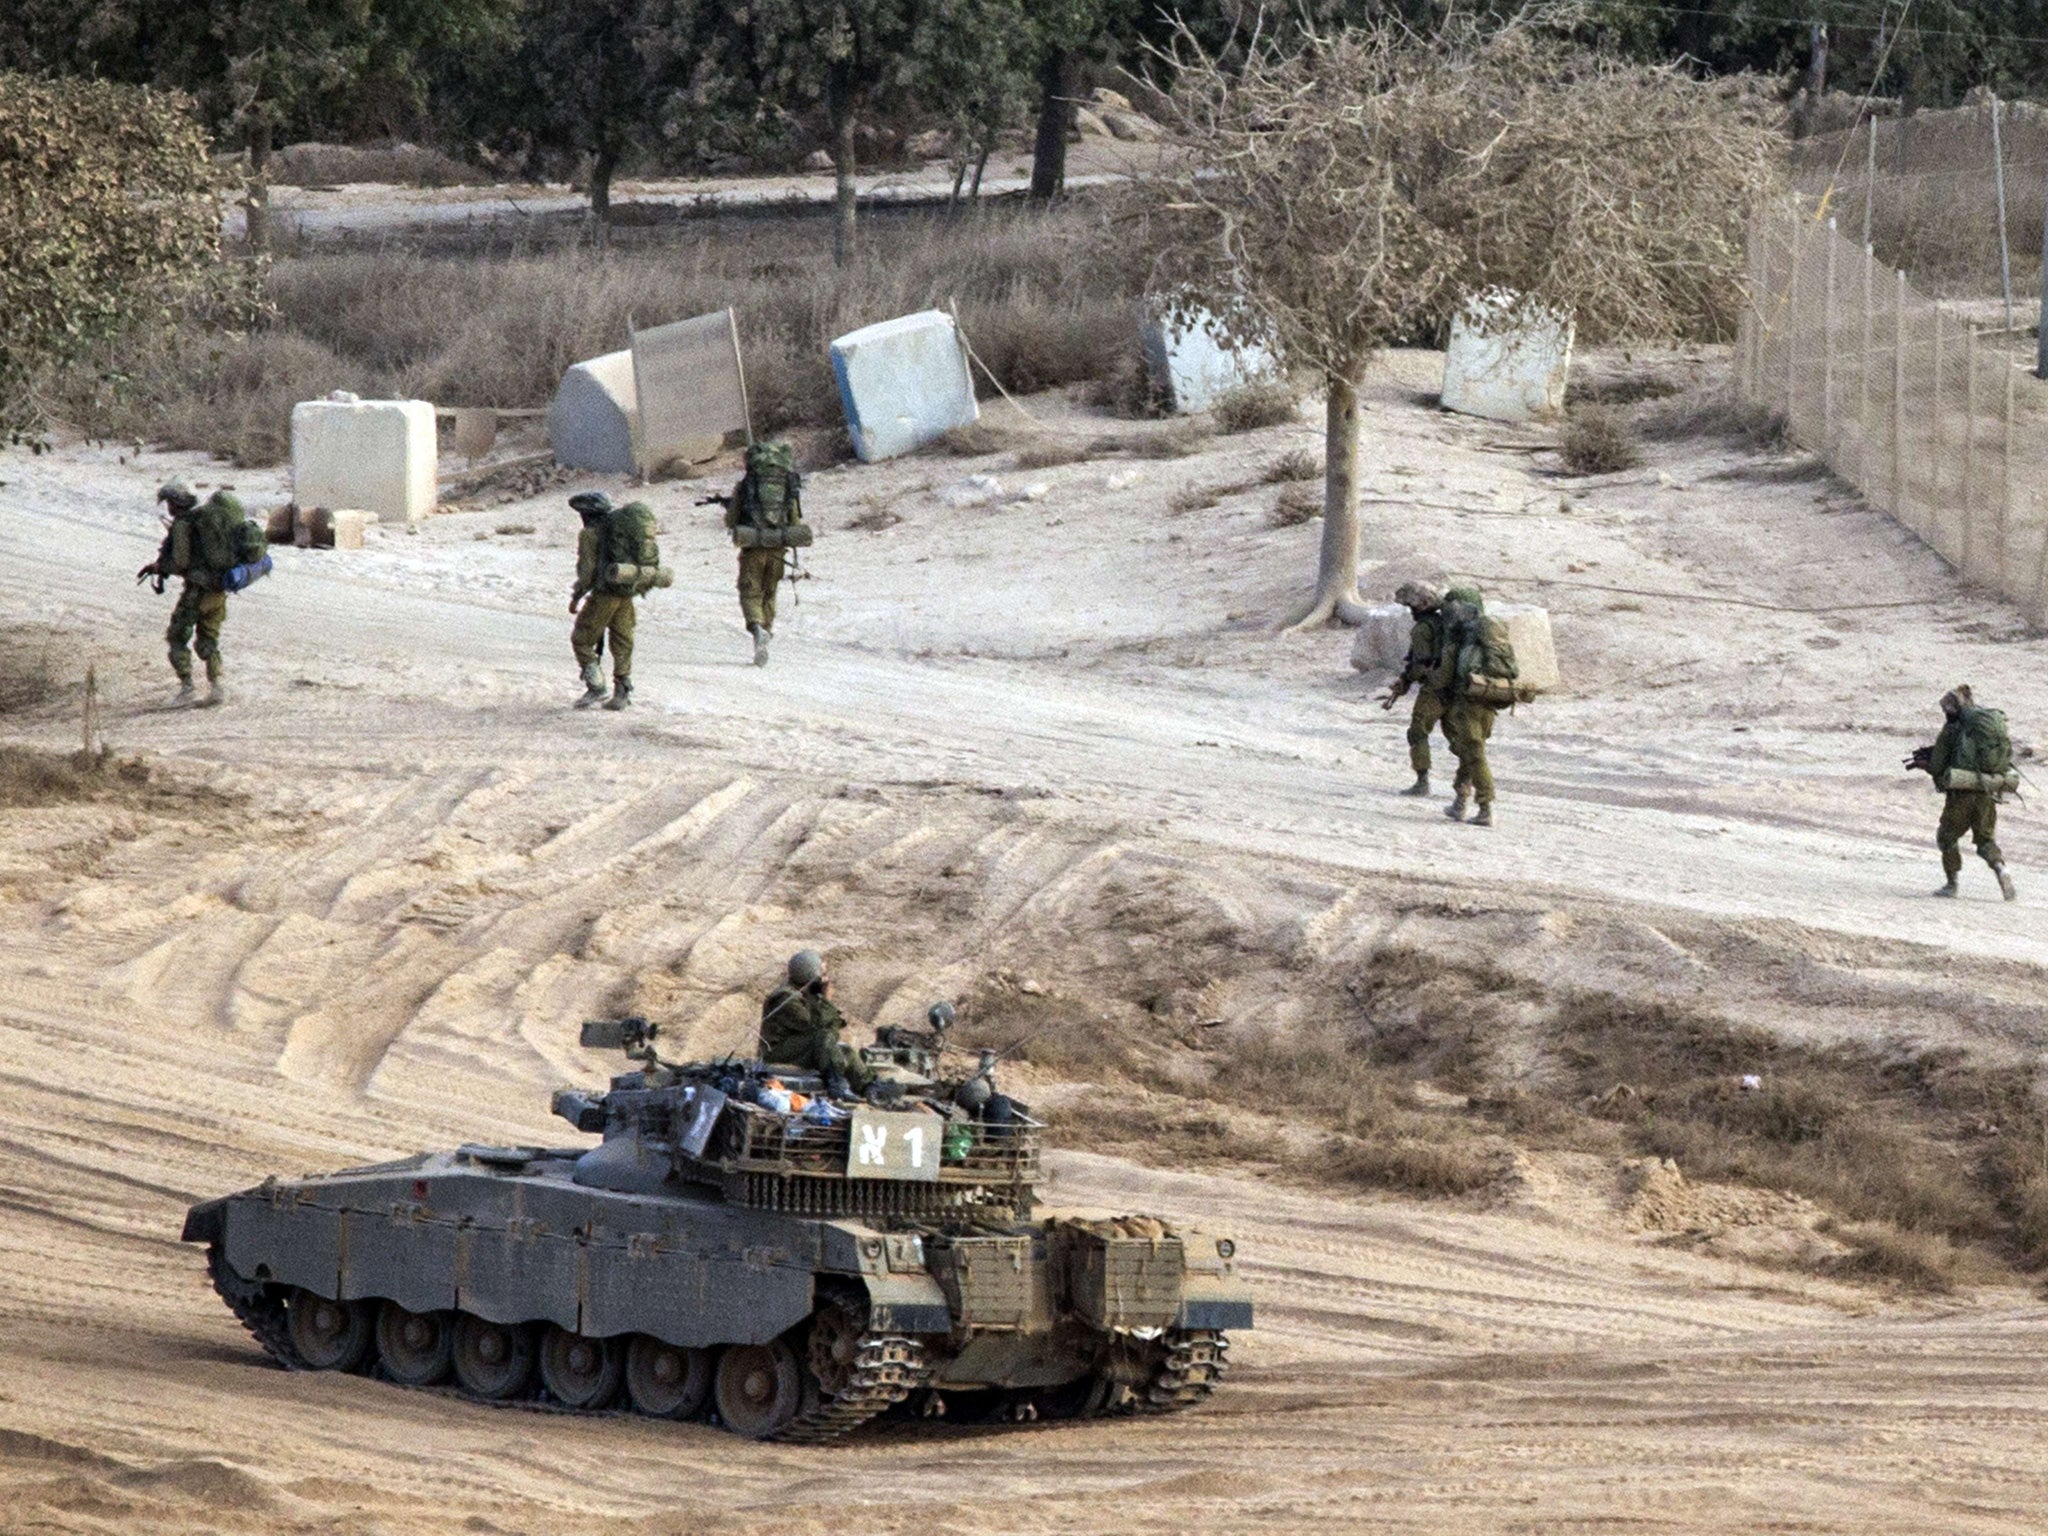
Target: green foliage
{"x":109,"y":218}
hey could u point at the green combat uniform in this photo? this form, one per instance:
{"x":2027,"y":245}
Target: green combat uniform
{"x":760,"y":575}
{"x":1425,"y":662}
{"x":1468,"y":723}
{"x":202,"y":607}
{"x":603,"y":615}
{"x":1971,"y":812}
{"x":617,"y":558}
{"x":801,"y":1029}
{"x":765,"y":516}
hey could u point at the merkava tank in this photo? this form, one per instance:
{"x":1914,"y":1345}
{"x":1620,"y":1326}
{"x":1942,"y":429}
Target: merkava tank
{"x":746,"y":1241}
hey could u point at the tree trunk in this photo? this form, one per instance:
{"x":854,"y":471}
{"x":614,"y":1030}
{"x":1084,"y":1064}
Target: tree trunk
{"x":980,"y":165}
{"x":839,"y":109}
{"x":256,"y":192}
{"x":1816,"y":81}
{"x":1336,"y":593}
{"x":601,"y":169}
{"x":1055,"y":118}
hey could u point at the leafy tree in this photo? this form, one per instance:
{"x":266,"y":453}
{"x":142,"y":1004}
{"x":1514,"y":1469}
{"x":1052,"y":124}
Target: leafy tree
{"x":1063,"y":32}
{"x":975,"y":66}
{"x":1332,"y":197}
{"x":109,"y":216}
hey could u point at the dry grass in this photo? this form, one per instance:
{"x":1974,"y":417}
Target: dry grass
{"x":1126,"y":388}
{"x":28,"y":676}
{"x":1716,"y":411}
{"x":398,"y":164}
{"x":1051,"y":452}
{"x":1296,"y":504}
{"x":476,"y":330}
{"x":29,"y":777}
{"x":976,"y":440}
{"x":1196,"y":498}
{"x":1295,"y":464}
{"x":1250,"y":407}
{"x":1597,"y":440}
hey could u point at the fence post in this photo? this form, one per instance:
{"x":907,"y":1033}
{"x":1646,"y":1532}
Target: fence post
{"x":2004,"y":246}
{"x":1863,"y":374}
{"x":2005,"y":488}
{"x":1827,"y":347}
{"x":1899,"y":401}
{"x":1939,"y":441}
{"x":1792,"y":334}
{"x":1969,"y":450}
{"x":1870,"y":180}
{"x":2041,"y":345}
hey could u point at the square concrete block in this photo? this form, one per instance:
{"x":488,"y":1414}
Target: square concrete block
{"x":1382,"y":643}
{"x":690,"y":388}
{"x":376,"y":455}
{"x":348,"y":528}
{"x":1505,"y":362}
{"x":1191,"y":363}
{"x":594,"y":419}
{"x":903,"y":383}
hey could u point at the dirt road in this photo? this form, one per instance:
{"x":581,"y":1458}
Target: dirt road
{"x":1051,"y":738}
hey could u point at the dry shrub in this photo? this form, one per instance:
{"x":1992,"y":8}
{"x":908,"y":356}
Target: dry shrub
{"x":976,"y":440}
{"x":1126,"y":388}
{"x":500,"y":330}
{"x":1250,"y":407}
{"x":1597,"y":441}
{"x":1296,"y":504}
{"x":1913,"y":1261}
{"x":1050,"y":452}
{"x":1195,"y":498}
{"x":1173,"y":442}
{"x":1716,"y":411}
{"x":1295,"y":464}
{"x":396,"y":164}
{"x":27,"y":677}
{"x":1439,"y":1168}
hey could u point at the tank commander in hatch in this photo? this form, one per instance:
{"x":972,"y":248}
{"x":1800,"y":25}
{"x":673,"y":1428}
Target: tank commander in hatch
{"x":800,"y":1026}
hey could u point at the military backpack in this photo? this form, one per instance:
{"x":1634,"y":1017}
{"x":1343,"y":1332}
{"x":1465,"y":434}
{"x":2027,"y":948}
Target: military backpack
{"x":632,"y":557}
{"x":767,"y":505}
{"x":226,"y":549}
{"x":1486,"y":670}
{"x":1983,"y":757}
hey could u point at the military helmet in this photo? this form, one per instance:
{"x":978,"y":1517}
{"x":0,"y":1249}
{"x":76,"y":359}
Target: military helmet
{"x":1957,"y":699}
{"x":974,"y":1094}
{"x":178,"y":494}
{"x":806,"y":968}
{"x":591,"y":503}
{"x":1418,"y":594}
{"x":940,"y":1016}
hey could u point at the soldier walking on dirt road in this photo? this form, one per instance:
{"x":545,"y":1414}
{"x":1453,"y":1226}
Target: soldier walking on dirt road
{"x":765,"y":516}
{"x":617,"y":559}
{"x":1427,"y":664}
{"x":1971,"y":764}
{"x":1468,"y":721}
{"x":215,"y":550}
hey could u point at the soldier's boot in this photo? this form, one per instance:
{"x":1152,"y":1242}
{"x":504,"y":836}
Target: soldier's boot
{"x":216,"y":695}
{"x":760,"y":644}
{"x":1456,"y":809}
{"x":1420,"y":788}
{"x":593,"y":686}
{"x":622,"y":693}
{"x":185,"y":690}
{"x":1949,"y":889}
{"x":2005,"y":886}
{"x":1485,"y":816}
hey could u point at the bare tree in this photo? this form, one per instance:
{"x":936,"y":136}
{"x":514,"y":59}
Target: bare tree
{"x":1350,"y":190}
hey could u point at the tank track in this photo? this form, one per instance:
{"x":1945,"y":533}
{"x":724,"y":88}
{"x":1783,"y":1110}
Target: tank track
{"x":1196,"y":1361}
{"x":887,"y":1368}
{"x":257,"y":1307}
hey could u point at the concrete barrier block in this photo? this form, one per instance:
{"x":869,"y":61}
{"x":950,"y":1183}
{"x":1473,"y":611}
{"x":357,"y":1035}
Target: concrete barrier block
{"x":594,"y":419}
{"x":690,"y":389}
{"x":379,"y":455}
{"x":1506,"y":362}
{"x":1382,"y":643}
{"x":1191,"y":363}
{"x":348,"y":526}
{"x":903,"y":383}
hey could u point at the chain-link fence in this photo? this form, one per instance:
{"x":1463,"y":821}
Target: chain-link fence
{"x":1934,"y":420}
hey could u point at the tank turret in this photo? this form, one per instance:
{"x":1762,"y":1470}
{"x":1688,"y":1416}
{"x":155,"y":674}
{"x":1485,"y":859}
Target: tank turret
{"x":744,"y":1242}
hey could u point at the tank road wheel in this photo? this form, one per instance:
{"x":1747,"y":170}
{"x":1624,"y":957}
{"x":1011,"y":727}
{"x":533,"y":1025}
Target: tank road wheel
{"x":667,"y":1381}
{"x":418,"y":1347}
{"x":836,"y":1336}
{"x":760,"y":1388}
{"x":493,"y":1361}
{"x":330,"y":1335}
{"x":581,"y":1372}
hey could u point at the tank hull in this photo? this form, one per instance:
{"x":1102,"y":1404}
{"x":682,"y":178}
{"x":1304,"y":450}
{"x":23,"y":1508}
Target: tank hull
{"x":1052,"y":1314}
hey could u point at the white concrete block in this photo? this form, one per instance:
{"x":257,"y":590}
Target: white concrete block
{"x":1192,"y":364}
{"x":348,"y":528}
{"x":1382,"y":643}
{"x":903,"y":383}
{"x":377,"y":455}
{"x":689,"y":388}
{"x":594,"y":419}
{"x":1506,"y":362}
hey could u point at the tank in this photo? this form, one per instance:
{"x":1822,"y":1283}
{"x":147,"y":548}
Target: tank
{"x":746,"y":1243}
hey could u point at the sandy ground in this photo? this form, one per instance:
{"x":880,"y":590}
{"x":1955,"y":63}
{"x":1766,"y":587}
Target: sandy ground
{"x":1016,"y":739}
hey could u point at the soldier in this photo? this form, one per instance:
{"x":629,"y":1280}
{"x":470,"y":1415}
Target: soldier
{"x":800,"y":1025}
{"x":202,"y":606}
{"x":600,"y":610}
{"x":1426,"y":664}
{"x":1971,"y":764}
{"x":1468,"y":722}
{"x":765,"y":516}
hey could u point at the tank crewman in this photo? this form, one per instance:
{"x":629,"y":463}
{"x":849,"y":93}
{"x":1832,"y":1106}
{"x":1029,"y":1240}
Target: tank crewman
{"x":202,"y":606}
{"x":1424,"y":662}
{"x":600,"y":613}
{"x":1973,"y":740}
{"x":800,"y":1025}
{"x":1468,"y":722}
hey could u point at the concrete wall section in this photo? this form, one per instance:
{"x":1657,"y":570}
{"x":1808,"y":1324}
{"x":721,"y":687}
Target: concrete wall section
{"x":690,"y":388}
{"x":371,"y":455}
{"x":903,"y":383}
{"x":595,"y":416}
{"x":1192,"y":364}
{"x":1505,"y":363}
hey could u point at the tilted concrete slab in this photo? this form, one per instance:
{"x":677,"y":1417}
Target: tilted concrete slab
{"x":903,"y":383}
{"x":1192,"y":365}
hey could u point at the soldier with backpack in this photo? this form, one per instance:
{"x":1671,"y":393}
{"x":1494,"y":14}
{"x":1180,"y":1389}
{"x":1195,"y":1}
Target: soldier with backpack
{"x":765,"y":516}
{"x":215,"y":550}
{"x":617,"y":560}
{"x":1971,"y":764}
{"x":1480,"y":662}
{"x":1426,"y":664}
